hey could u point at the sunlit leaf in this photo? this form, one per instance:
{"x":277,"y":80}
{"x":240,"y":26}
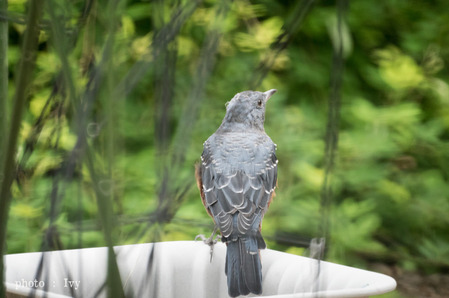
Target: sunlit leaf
{"x":260,"y":36}
{"x":399,"y":70}
{"x":25,"y":211}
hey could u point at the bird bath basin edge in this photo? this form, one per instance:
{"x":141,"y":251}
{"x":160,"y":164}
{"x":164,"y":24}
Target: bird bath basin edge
{"x":181,"y":269}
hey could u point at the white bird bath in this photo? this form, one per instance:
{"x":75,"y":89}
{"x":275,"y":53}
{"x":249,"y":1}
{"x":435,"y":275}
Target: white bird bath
{"x":181,"y":269}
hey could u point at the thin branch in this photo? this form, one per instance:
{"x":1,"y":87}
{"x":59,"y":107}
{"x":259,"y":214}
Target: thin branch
{"x":333,"y":120}
{"x":171,"y":195}
{"x":165,"y":36}
{"x":58,"y":85}
{"x":10,"y":17}
{"x":25,"y":72}
{"x":204,"y":71}
{"x":3,"y":79}
{"x":292,"y":25}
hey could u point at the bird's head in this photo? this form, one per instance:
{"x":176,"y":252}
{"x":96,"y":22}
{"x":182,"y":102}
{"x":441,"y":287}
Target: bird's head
{"x":246,"y":110}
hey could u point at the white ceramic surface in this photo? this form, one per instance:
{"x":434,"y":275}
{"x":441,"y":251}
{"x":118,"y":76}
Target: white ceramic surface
{"x":182,"y":269}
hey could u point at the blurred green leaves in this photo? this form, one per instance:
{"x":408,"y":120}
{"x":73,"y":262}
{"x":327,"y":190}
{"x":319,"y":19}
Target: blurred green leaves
{"x":391,"y":194}
{"x":398,"y":70}
{"x":260,"y":36}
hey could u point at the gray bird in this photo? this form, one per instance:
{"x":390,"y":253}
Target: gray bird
{"x":237,"y":177}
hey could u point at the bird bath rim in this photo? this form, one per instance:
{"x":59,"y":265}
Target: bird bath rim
{"x":183,"y":269}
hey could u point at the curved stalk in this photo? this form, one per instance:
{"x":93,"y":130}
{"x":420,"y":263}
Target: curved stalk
{"x":25,"y":72}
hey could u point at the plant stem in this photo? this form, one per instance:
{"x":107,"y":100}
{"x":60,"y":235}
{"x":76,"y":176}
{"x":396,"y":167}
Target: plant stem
{"x":3,"y":79}
{"x":25,"y":72}
{"x":333,"y":120}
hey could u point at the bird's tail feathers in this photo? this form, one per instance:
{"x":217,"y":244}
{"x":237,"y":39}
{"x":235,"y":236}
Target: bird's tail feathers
{"x":243,"y":265}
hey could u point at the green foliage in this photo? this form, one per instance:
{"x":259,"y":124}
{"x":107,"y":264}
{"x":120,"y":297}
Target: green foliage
{"x":390,"y":185}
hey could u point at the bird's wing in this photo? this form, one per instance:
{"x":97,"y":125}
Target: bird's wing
{"x":237,"y":179}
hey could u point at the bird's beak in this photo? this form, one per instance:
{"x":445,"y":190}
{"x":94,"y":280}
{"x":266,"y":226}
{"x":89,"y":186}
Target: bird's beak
{"x":269,"y":93}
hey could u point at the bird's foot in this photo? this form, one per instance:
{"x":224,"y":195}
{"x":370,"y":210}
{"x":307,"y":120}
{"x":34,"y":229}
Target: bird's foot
{"x":211,"y":241}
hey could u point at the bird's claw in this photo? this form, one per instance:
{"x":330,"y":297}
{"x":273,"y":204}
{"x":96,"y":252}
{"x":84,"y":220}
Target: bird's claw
{"x":202,"y":237}
{"x":211,"y":241}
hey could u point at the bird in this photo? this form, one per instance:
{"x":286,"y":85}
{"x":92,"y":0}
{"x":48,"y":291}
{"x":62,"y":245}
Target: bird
{"x":237,"y":178}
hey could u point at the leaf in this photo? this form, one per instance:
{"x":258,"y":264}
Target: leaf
{"x":26,"y":211}
{"x":398,"y":70}
{"x":260,"y":36}
{"x":394,"y":191}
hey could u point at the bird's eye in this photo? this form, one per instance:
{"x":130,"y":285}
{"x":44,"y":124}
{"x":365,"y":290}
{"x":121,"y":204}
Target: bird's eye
{"x":259,"y":102}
